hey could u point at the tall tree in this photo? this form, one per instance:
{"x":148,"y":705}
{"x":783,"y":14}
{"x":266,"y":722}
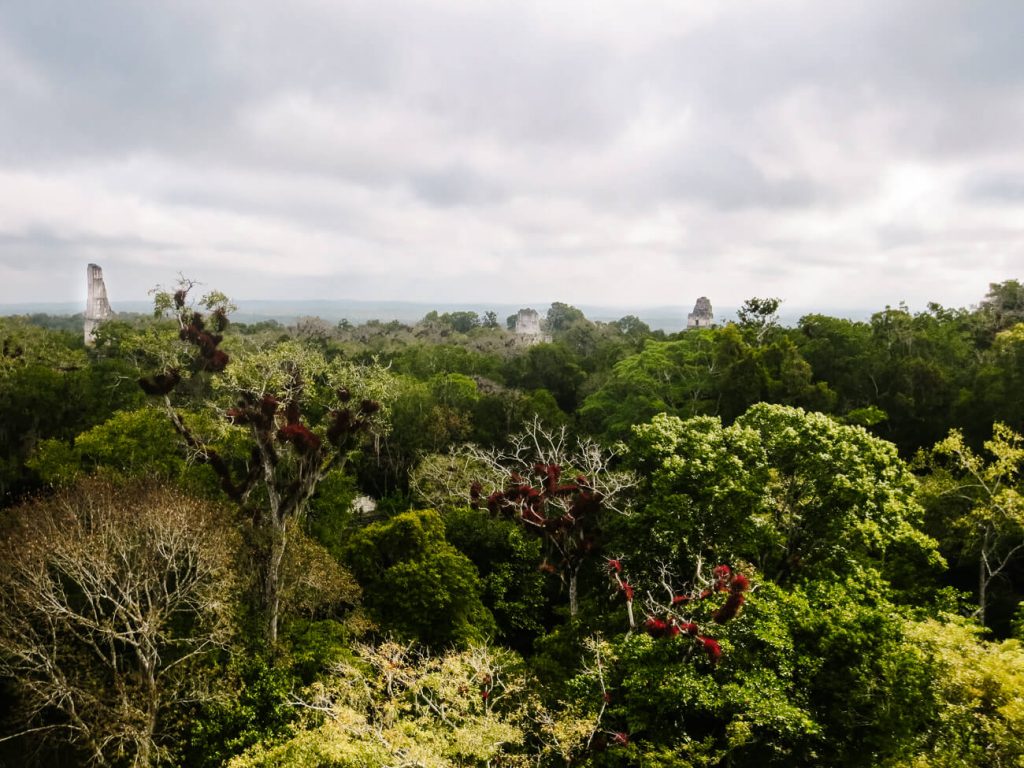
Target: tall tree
{"x":295,"y":412}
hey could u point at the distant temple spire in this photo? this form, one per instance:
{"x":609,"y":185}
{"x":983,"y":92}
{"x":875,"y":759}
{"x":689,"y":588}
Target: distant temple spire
{"x":97,"y":308}
{"x":702,"y":315}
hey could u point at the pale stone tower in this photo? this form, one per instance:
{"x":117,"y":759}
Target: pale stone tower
{"x":702,"y":315}
{"x":528,"y":322}
{"x":527,"y":328}
{"x":97,"y":308}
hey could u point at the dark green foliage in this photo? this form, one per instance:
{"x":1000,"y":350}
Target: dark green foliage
{"x":415,"y":583}
{"x":506,"y":558}
{"x":258,"y":710}
{"x":329,"y":517}
{"x":50,"y":388}
{"x":553,"y":367}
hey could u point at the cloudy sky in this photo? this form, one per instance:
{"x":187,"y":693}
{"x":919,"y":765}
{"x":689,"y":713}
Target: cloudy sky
{"x":837,"y":154}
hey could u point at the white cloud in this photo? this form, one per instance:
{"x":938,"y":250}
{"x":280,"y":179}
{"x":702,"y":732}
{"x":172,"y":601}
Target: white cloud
{"x":838,"y":155}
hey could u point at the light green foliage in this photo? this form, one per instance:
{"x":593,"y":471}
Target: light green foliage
{"x":976,"y":504}
{"x":268,"y":370}
{"x":397,"y":707}
{"x":796,"y":494}
{"x":316,"y":585}
{"x":416,"y":583}
{"x":442,"y":480}
{"x":131,"y":443}
{"x":979,"y":695}
{"x":23,"y":344}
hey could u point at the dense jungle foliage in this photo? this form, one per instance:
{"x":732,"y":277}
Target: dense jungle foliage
{"x":441,"y":545}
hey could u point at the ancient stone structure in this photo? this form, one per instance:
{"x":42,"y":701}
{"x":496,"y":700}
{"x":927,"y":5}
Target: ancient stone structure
{"x":702,"y":315}
{"x":528,"y":321}
{"x":97,"y":308}
{"x":527,"y":328}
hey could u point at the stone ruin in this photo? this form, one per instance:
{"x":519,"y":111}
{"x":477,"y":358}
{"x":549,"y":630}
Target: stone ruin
{"x":528,"y":321}
{"x":97,"y":308}
{"x":702,"y":315}
{"x":527,"y":327}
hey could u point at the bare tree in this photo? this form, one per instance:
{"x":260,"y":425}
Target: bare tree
{"x":525,"y":483}
{"x":110,"y":597}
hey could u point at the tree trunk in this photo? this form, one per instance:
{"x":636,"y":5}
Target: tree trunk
{"x":272,"y":580}
{"x":982,"y":580}
{"x":573,"y":602}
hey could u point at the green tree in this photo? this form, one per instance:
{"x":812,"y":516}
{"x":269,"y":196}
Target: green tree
{"x":977,"y":688}
{"x":978,"y":503}
{"x":759,"y":317}
{"x":300,"y":416}
{"x":797,"y":494}
{"x":415,"y":583}
{"x":548,"y":366}
{"x":816,"y":675}
{"x":675,"y":377}
{"x":1002,"y":308}
{"x":561,"y":317}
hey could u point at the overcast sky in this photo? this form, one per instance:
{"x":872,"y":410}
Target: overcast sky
{"x":836,"y":154}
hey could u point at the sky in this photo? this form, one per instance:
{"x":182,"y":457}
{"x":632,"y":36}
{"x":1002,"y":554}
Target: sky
{"x":835,"y":154}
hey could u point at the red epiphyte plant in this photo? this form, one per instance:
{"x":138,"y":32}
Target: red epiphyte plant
{"x":721,"y":574}
{"x":729,"y":608}
{"x":740,"y":583}
{"x":160,"y":383}
{"x":737,"y":584}
{"x":659,"y":628}
{"x":614,"y":566}
{"x":711,"y":647}
{"x":656,"y":627}
{"x":193,"y":330}
{"x":299,"y":436}
{"x":620,"y":738}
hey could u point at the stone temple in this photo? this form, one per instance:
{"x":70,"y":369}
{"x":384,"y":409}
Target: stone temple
{"x":97,"y":308}
{"x":527,"y":328}
{"x":528,"y":322}
{"x":702,"y":315}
